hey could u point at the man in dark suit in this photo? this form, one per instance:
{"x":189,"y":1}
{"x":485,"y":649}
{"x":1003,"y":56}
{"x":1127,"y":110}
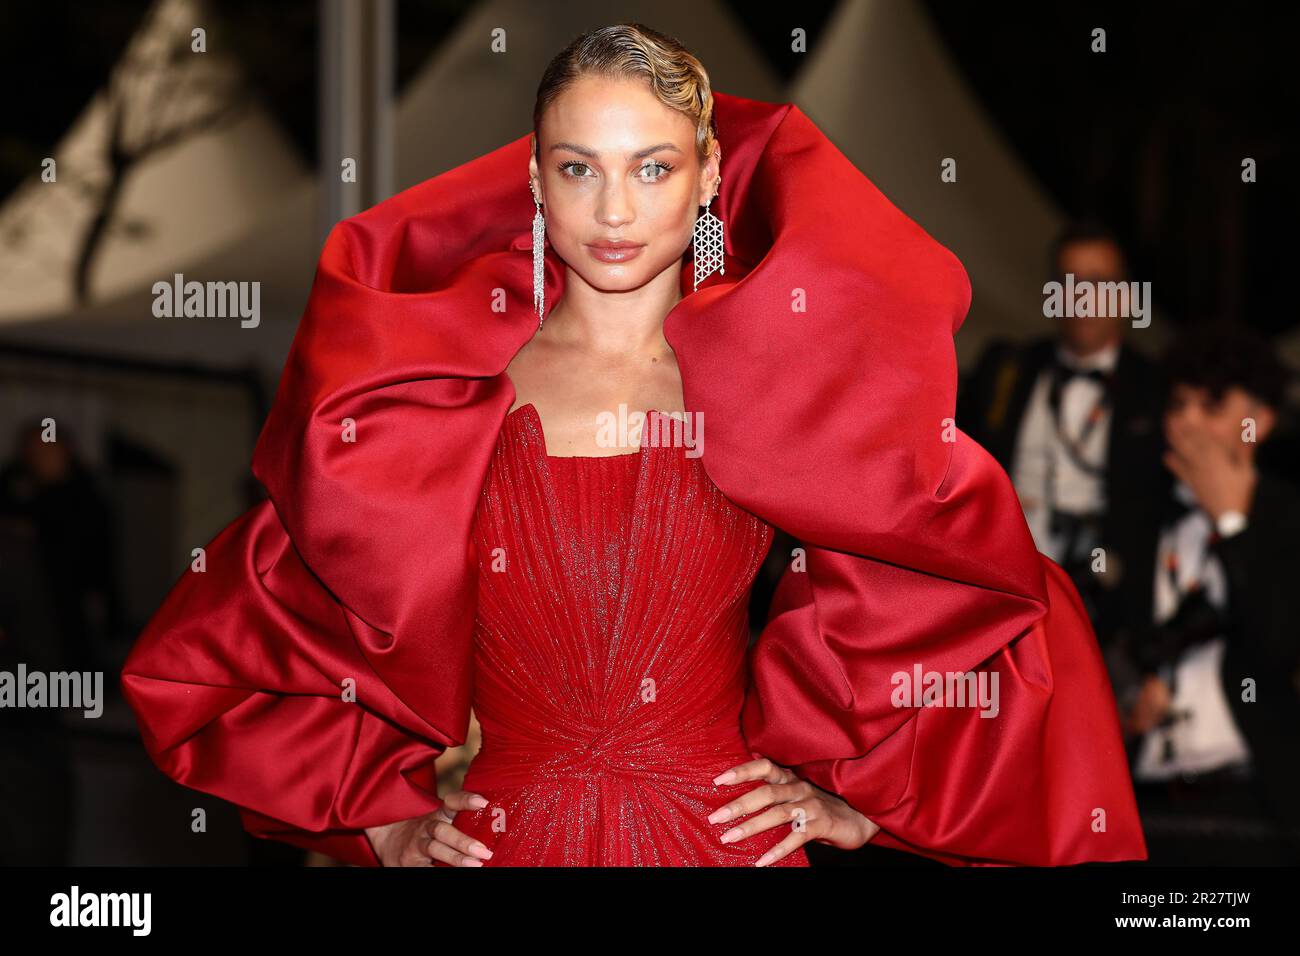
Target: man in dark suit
{"x":1074,"y":418}
{"x":1216,"y":719}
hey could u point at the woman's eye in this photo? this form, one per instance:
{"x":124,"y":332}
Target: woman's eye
{"x":571,"y":165}
{"x":663,"y":167}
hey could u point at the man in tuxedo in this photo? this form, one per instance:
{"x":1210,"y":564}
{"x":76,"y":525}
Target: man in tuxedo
{"x":1215,"y":722}
{"x":1074,"y":418}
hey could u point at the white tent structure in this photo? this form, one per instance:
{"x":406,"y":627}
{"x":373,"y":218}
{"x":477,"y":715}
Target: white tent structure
{"x":206,"y":165}
{"x":886,"y":91}
{"x":204,"y":169}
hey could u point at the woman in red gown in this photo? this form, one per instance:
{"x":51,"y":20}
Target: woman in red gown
{"x":612,"y":628}
{"x":430,"y":545}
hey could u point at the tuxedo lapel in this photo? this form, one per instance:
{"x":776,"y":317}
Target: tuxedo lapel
{"x":1023,"y":366}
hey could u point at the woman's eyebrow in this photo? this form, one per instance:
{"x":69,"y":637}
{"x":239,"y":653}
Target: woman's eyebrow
{"x":639,"y":154}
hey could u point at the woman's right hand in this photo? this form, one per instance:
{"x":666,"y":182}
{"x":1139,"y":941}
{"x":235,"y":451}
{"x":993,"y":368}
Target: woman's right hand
{"x":421,"y":840}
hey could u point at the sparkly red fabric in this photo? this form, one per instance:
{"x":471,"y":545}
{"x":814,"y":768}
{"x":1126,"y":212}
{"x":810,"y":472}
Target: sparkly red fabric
{"x":610,"y":649}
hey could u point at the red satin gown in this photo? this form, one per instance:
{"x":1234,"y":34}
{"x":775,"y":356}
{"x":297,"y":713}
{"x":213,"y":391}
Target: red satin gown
{"x":610,"y":657}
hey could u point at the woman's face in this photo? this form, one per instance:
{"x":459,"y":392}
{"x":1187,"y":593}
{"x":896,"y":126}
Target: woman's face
{"x":617,"y":164}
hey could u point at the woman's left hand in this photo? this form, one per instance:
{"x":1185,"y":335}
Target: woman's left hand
{"x":811,"y":812}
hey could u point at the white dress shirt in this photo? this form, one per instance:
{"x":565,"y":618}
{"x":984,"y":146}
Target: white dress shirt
{"x":1042,"y":469}
{"x":1207,"y":737}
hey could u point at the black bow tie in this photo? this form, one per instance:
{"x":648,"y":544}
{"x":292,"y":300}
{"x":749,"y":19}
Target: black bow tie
{"x":1067,"y":373}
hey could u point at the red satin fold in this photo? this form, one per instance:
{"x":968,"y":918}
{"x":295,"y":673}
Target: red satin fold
{"x":823,"y":365}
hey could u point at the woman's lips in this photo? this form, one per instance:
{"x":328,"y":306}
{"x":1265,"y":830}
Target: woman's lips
{"x":603,"y":252}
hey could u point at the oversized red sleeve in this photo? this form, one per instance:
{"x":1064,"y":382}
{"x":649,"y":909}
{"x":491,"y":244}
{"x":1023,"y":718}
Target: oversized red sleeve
{"x":826,"y":378}
{"x":238,"y":683}
{"x":317,"y":666}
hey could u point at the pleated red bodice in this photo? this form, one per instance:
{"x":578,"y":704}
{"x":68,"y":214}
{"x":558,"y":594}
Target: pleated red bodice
{"x":610,"y":660}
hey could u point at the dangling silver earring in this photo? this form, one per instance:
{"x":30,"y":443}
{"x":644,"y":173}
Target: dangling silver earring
{"x":539,"y":262}
{"x":708,"y":243}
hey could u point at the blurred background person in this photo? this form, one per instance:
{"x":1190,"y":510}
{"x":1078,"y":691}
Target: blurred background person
{"x":1216,"y":720}
{"x":1074,"y":418}
{"x":47,"y":483}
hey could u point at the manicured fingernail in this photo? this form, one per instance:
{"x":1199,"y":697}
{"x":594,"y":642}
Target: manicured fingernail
{"x":483,"y":852}
{"x":730,"y":835}
{"x":727,"y":777}
{"x":472,"y":862}
{"x":478,"y":802}
{"x":720,"y":814}
{"x":765,"y":859}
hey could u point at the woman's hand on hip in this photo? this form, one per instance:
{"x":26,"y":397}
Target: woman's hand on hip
{"x":811,"y":812}
{"x":420,"y":841}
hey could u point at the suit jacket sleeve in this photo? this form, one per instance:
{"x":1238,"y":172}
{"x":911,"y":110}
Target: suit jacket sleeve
{"x":1262,"y":567}
{"x":313,"y":670}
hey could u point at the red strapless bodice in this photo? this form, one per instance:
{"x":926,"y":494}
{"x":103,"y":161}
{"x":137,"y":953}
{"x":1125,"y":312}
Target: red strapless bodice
{"x":609,"y":657}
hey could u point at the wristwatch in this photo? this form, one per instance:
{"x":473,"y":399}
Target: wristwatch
{"x":1230,"y":523}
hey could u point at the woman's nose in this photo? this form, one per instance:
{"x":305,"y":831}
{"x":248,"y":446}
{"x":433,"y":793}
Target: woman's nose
{"x":615,"y":207}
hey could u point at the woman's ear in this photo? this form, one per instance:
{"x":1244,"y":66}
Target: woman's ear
{"x":534,"y":175}
{"x":709,"y":184}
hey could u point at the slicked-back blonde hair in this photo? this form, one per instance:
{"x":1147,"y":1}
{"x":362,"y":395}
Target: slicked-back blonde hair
{"x":675,"y":76}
